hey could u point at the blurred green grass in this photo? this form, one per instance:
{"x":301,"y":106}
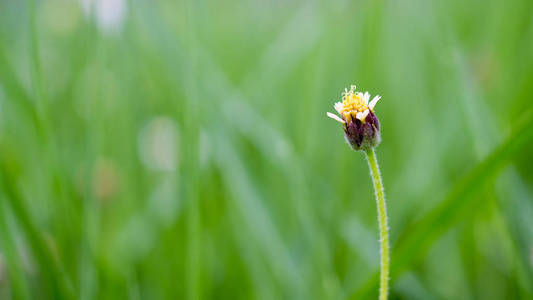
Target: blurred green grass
{"x":181,"y":149}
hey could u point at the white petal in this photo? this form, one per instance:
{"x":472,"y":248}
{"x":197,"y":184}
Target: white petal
{"x":366,"y":97}
{"x":365,"y":113}
{"x":373,"y":102}
{"x":359,"y":116}
{"x":338,"y":107}
{"x":335,"y":117}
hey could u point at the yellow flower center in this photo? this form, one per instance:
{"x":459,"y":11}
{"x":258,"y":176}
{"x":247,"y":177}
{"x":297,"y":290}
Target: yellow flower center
{"x":352,"y":104}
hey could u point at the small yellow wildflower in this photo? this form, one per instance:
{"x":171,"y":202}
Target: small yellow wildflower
{"x":361,"y":126}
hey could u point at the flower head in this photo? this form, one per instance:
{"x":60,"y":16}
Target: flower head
{"x":361,"y":126}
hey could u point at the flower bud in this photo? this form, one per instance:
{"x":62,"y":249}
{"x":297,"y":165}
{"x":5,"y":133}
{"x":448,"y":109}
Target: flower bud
{"x":360,"y":123}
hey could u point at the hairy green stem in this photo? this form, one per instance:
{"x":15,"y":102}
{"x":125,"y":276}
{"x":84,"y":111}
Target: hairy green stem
{"x":382,"y":220}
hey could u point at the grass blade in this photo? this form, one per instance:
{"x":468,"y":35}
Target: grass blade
{"x":49,"y":266}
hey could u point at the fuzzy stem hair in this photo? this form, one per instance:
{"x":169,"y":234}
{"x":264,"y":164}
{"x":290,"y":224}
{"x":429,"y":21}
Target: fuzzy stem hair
{"x":382,"y":221}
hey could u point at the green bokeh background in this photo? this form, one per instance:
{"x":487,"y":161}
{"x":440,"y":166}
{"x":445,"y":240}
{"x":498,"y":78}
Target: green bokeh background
{"x":183,"y":151}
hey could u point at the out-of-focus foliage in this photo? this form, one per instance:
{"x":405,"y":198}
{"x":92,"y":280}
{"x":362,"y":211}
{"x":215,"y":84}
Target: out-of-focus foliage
{"x":180,"y":149}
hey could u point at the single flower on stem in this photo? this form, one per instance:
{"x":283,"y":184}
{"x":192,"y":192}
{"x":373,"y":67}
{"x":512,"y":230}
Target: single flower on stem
{"x":362,"y":133}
